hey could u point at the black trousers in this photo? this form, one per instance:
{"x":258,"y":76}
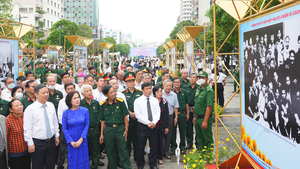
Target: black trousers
{"x":220,"y":93}
{"x":22,"y":162}
{"x":144,"y":133}
{"x":3,"y":163}
{"x":45,"y":154}
{"x":200,"y":69}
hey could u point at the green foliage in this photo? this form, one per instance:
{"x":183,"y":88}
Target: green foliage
{"x":6,"y":7}
{"x":28,"y":38}
{"x":84,"y":30}
{"x":112,"y":41}
{"x":40,"y":12}
{"x":124,"y":49}
{"x":219,"y":108}
{"x":67,"y":28}
{"x":179,"y":26}
{"x":160,"y":50}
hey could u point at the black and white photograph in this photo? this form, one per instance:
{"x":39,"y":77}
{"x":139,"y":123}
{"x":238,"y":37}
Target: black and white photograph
{"x":271,"y":65}
{"x":6,"y":61}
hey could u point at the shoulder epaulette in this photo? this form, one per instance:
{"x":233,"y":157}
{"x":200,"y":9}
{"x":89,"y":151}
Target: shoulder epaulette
{"x":102,"y":102}
{"x":139,"y":90}
{"x":123,"y":90}
{"x":119,"y":99}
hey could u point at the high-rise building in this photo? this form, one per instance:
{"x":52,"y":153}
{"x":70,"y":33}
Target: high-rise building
{"x":83,"y":12}
{"x":185,"y":10}
{"x":199,"y":9}
{"x":115,"y":33}
{"x":32,"y":11}
{"x":126,"y":34}
{"x":139,"y":42}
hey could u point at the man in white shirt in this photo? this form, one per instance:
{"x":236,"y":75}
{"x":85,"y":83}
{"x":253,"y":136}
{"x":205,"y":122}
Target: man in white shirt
{"x":107,"y":68}
{"x":65,"y":77}
{"x":147,"y":112}
{"x":41,"y":130}
{"x":6,"y":93}
{"x":97,"y":93}
{"x":121,"y":82}
{"x":138,"y":79}
{"x":200,"y":65}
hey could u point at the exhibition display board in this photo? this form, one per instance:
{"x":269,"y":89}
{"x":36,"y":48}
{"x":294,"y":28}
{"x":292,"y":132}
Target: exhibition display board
{"x":270,"y":53}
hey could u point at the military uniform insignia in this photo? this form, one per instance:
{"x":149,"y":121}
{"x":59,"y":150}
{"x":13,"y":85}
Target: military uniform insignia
{"x":105,"y":109}
{"x":94,"y":107}
{"x":1,"y":108}
{"x":137,"y":95}
{"x":119,"y":99}
{"x":102,"y":103}
{"x":182,"y":94}
{"x":201,"y":72}
{"x":130,"y":74}
{"x":117,"y":107}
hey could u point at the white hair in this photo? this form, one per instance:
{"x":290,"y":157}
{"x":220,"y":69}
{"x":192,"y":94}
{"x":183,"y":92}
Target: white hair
{"x":24,"y":83}
{"x":85,"y":86}
{"x":184,"y":70}
{"x":146,"y":74}
{"x":80,"y":78}
{"x":166,"y":81}
{"x":129,"y":67}
{"x":52,"y":74}
{"x":121,"y":73}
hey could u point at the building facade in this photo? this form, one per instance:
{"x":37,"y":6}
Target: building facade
{"x":32,"y":11}
{"x":83,"y":12}
{"x":199,"y":9}
{"x":115,"y":33}
{"x":185,"y":10}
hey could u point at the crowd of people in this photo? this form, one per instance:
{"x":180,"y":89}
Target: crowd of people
{"x":53,"y":115}
{"x":272,"y":85}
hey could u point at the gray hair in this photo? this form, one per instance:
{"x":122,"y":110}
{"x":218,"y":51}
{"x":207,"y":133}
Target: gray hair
{"x":121,"y":73}
{"x":146,"y":74}
{"x":193,"y":74}
{"x":168,"y":80}
{"x":129,"y":67}
{"x":85,"y":86}
{"x":80,"y":78}
{"x":165,"y":67}
{"x":53,"y":75}
{"x":24,"y":83}
{"x":184,"y":70}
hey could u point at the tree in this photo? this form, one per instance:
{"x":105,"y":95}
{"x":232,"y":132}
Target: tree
{"x":67,"y":28}
{"x":84,"y":30}
{"x":160,"y":50}
{"x":110,"y":40}
{"x":6,"y":7}
{"x":124,"y":49}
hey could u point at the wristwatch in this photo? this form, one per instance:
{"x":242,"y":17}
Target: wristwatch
{"x":176,"y":116}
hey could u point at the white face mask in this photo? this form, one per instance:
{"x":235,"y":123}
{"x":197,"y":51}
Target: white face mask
{"x":200,"y":82}
{"x":19,"y":96}
{"x":51,"y":87}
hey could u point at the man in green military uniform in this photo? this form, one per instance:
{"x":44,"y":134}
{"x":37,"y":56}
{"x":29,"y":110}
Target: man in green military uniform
{"x":42,"y":71}
{"x":58,"y":71}
{"x":3,"y":105}
{"x":185,"y":82}
{"x":94,"y":133}
{"x":236,"y":74}
{"x":54,"y":95}
{"x":131,"y":93}
{"x":90,"y":80}
{"x":191,"y":90}
{"x":28,"y":68}
{"x":30,"y":98}
{"x":92,"y":71}
{"x":114,"y":116}
{"x":183,"y":115}
{"x":204,"y":102}
{"x":165,"y":76}
{"x":165,"y":69}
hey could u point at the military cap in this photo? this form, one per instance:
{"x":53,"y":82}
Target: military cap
{"x":145,"y":69}
{"x":129,"y":76}
{"x":202,"y":74}
{"x":37,"y":76}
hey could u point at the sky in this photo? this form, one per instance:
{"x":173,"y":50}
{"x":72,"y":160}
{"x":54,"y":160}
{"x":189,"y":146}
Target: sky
{"x":150,"y":20}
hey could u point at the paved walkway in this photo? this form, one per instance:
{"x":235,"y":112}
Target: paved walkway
{"x":232,"y":123}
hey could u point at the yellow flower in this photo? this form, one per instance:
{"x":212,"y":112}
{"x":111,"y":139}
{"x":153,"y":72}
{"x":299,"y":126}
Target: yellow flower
{"x":205,"y":147}
{"x":201,"y":161}
{"x":237,"y":167}
{"x":211,"y":161}
{"x":211,"y":148}
{"x":219,"y":142}
{"x":227,"y":139}
{"x":233,"y":134}
{"x":224,"y":148}
{"x":223,"y":142}
{"x":212,"y":144}
{"x":196,"y":160}
{"x":184,"y":161}
{"x":194,"y":145}
{"x":184,"y":156}
{"x":194,"y":165}
{"x":184,"y":166}
{"x":207,"y":156}
{"x":200,"y":157}
{"x":194,"y":150}
{"x":188,"y":159}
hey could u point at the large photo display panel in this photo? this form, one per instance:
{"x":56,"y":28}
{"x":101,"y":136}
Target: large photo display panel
{"x":270,"y":57}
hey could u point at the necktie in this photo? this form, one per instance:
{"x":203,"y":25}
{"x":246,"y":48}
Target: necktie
{"x":47,"y":124}
{"x":149,"y":110}
{"x":2,"y":143}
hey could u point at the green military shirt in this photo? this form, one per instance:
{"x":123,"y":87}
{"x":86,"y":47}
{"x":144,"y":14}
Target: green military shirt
{"x":159,"y":79}
{"x":41,"y":73}
{"x":204,"y":97}
{"x":58,"y":72}
{"x":26,"y":101}
{"x":25,"y":70}
{"x":192,"y":92}
{"x":236,"y":74}
{"x":55,"y":98}
{"x":183,"y":99}
{"x":130,"y":97}
{"x":95,"y":86}
{"x":94,"y":111}
{"x":184,"y":84}
{"x":113,"y":113}
{"x":4,"y":107}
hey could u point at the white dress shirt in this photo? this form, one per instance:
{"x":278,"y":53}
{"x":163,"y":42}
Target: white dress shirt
{"x":141,"y":110}
{"x":122,"y":84}
{"x":61,"y":88}
{"x":220,"y":77}
{"x":107,"y":70}
{"x":62,"y":106}
{"x":200,"y":65}
{"x":98,"y":96}
{"x":6,"y":95}
{"x":138,"y":86}
{"x":34,"y":122}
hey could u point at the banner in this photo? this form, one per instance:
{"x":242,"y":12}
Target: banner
{"x":142,"y":51}
{"x":53,"y":57}
{"x":189,"y":56}
{"x":270,"y":58}
{"x":105,"y":55}
{"x":167,"y":58}
{"x":81,"y":58}
{"x":173,"y":52}
{"x":20,"y":62}
{"x":8,"y":59}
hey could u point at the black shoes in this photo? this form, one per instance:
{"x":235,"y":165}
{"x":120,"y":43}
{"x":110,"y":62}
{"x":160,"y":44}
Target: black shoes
{"x":188,"y":147}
